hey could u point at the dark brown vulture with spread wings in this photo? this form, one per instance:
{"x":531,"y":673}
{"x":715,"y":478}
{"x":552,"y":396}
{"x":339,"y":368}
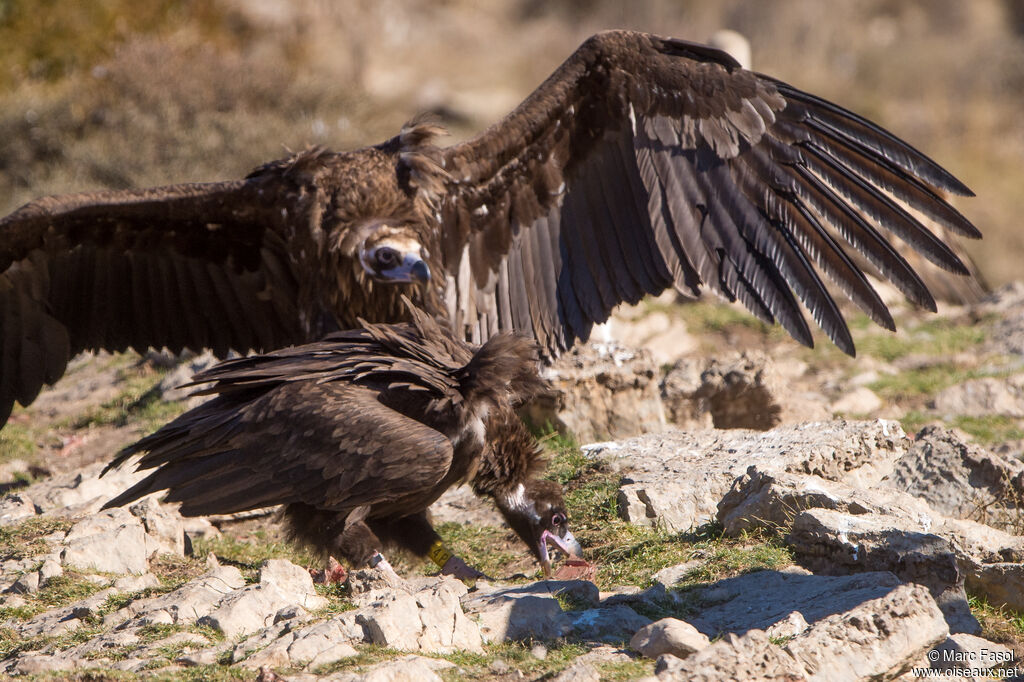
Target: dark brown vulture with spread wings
{"x":642,"y":163}
{"x":357,"y":435}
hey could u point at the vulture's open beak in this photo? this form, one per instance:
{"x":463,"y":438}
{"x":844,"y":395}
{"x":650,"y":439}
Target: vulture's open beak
{"x":567,"y":544}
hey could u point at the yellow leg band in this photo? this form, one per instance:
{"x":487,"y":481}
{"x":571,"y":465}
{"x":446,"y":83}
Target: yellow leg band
{"x":439,"y":554}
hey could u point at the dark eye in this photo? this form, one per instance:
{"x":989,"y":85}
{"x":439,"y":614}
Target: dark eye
{"x":558,"y":519}
{"x":387,"y":257}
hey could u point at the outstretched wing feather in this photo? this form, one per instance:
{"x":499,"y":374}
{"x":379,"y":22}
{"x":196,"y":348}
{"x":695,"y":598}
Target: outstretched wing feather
{"x":677,"y":167}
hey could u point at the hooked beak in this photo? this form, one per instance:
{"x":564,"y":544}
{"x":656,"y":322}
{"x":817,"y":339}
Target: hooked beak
{"x":566,"y":544}
{"x":412,"y":269}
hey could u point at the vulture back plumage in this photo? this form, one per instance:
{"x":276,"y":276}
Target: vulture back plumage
{"x":356,"y":434}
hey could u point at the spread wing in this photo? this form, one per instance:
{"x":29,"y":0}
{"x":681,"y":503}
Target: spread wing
{"x":644,"y":163}
{"x":329,"y":445}
{"x":194,"y":265}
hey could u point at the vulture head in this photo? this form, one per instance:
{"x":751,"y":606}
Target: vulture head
{"x":536,"y":512}
{"x":393,"y":254}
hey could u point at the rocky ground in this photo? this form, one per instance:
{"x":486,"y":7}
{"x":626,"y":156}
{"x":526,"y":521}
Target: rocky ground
{"x":758,"y":513}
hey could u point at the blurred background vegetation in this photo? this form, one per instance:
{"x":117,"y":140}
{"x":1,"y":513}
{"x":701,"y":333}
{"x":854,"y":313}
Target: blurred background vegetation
{"x":115,"y":93}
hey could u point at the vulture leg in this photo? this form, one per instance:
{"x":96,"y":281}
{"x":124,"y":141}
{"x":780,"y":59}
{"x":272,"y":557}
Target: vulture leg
{"x":356,"y":543}
{"x":416,"y":534}
{"x":361,"y":546}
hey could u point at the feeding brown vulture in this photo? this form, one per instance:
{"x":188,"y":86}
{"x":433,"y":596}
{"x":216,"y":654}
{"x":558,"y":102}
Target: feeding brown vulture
{"x":357,"y":435}
{"x":640,"y":164}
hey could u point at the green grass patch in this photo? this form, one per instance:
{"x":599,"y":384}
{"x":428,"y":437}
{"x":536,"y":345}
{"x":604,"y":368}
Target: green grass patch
{"x":160,"y":656}
{"x":201,"y":673}
{"x":1002,"y":625}
{"x":709,"y":316}
{"x":516,"y":655}
{"x":11,"y":643}
{"x":16,"y":442}
{"x":365,"y":657}
{"x":174,"y":571}
{"x":65,"y":589}
{"x":248,"y":554}
{"x":625,"y":670}
{"x":727,"y":557}
{"x":97,"y":674}
{"x":991,"y":429}
{"x":116,"y":602}
{"x":915,"y":420}
{"x":28,"y":538}
{"x":937,"y":336}
{"x":59,"y":591}
{"x":913,"y":384}
{"x":486,"y":548}
{"x":338,"y":598}
{"x":630,"y":555}
{"x":139,"y":402}
{"x":470,"y":665}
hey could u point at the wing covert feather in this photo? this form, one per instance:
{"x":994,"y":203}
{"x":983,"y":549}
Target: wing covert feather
{"x":329,"y":445}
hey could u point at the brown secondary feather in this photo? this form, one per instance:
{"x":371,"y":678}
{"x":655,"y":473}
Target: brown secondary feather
{"x":642,"y":163}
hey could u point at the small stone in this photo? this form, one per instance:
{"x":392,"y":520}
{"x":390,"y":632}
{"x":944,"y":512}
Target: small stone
{"x":579,"y":672}
{"x":615,"y":623}
{"x":112,"y":541}
{"x":12,"y":601}
{"x":164,"y":531}
{"x":28,"y":583}
{"x":962,"y":650}
{"x":516,"y":613}
{"x":668,"y":636}
{"x":117,"y":617}
{"x":539,"y":651}
{"x":667,"y":663}
{"x":294,"y":613}
{"x":51,"y":568}
{"x":160,"y":617}
{"x":790,"y":626}
{"x":199,"y":658}
{"x":136,"y":583}
{"x":672,"y":575}
{"x":984,"y":397}
{"x":402,"y":670}
{"x":748,"y":657}
{"x":294,"y":582}
{"x":16,"y":507}
{"x":34,"y":664}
